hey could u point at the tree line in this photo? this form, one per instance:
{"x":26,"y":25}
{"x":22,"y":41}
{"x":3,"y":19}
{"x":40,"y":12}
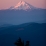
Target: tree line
{"x":19,"y":42}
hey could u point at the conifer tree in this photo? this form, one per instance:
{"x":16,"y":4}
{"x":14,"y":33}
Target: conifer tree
{"x":19,"y":42}
{"x":27,"y":43}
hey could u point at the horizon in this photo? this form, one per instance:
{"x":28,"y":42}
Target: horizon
{"x":5,"y":4}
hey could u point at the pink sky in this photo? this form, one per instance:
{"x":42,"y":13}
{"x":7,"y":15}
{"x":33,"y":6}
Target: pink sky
{"x":8,"y":3}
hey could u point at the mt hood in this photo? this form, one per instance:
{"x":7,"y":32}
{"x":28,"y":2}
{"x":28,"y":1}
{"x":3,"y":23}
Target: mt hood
{"x":22,"y":5}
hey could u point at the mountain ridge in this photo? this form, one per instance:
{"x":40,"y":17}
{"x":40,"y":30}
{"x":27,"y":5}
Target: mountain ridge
{"x":23,"y":5}
{"x":34,"y":32}
{"x":21,"y":16}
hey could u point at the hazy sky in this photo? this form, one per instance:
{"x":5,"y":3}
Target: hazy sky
{"x":7,"y":3}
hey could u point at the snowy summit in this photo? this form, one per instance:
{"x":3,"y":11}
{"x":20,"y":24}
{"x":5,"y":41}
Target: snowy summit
{"x":22,"y":5}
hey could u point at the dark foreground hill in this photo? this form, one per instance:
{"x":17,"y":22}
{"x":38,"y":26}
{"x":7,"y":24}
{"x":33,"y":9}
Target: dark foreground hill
{"x":34,"y":32}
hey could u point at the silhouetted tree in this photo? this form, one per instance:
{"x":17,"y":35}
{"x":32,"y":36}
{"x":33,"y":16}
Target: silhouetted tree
{"x":19,"y":42}
{"x":27,"y":43}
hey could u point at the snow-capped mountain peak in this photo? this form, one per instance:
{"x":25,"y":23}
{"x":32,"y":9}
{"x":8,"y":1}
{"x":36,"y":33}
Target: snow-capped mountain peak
{"x":22,"y":5}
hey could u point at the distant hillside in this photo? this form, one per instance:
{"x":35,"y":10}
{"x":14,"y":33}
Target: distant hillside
{"x":34,"y":32}
{"x":17,"y":17}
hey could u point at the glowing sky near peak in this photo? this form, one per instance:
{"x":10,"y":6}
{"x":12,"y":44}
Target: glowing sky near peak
{"x":8,"y":3}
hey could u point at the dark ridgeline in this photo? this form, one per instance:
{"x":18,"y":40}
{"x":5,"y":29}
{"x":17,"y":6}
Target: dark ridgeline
{"x":34,"y":32}
{"x":19,"y":42}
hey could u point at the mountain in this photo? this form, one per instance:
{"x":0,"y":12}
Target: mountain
{"x":22,"y":5}
{"x":34,"y":32}
{"x":21,"y":13}
{"x":17,"y":17}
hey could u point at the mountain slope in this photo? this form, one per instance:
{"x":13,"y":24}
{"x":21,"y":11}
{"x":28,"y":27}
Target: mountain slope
{"x":21,"y":13}
{"x":22,"y":5}
{"x":22,"y":16}
{"x":34,"y":32}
